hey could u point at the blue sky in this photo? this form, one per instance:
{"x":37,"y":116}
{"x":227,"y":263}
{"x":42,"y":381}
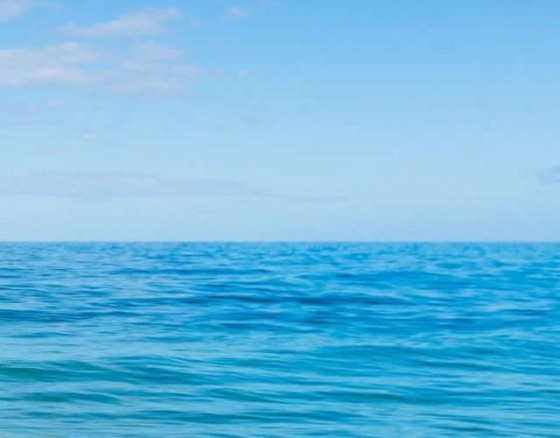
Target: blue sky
{"x":279,"y":120}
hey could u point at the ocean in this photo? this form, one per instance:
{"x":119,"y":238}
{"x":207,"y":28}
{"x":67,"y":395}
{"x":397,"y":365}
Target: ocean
{"x":279,"y":340}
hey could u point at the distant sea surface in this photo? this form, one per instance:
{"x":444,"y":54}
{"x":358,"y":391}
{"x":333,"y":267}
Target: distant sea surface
{"x":279,"y":340}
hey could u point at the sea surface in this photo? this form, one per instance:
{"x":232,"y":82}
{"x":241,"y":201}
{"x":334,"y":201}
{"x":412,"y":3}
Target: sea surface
{"x":279,"y":340}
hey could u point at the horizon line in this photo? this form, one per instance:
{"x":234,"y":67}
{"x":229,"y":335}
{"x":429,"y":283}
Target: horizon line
{"x":249,"y":241}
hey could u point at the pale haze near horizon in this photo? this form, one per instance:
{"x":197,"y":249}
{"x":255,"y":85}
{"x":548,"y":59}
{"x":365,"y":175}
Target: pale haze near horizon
{"x":279,"y":120}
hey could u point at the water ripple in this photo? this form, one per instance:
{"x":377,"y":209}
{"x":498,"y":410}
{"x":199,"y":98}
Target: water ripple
{"x":279,"y":340}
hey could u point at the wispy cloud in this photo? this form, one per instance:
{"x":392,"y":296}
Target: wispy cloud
{"x":53,"y":64}
{"x":145,"y":66}
{"x":149,"y":67}
{"x":107,"y":185}
{"x":115,"y":185}
{"x":11,"y":9}
{"x":141,"y":22}
{"x":152,"y":51}
{"x":155,"y":67}
{"x":238,"y":12}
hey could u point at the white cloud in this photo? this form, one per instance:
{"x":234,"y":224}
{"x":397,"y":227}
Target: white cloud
{"x":238,"y":12}
{"x":154,"y":51}
{"x":155,"y":67}
{"x":148,"y":67}
{"x":141,"y":22}
{"x":140,"y":76}
{"x":10,"y":9}
{"x":62,"y":64}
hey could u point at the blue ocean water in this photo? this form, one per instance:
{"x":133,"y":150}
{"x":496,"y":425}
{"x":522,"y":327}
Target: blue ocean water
{"x":279,"y":340}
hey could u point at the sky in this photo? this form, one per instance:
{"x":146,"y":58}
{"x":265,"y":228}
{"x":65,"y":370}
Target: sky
{"x":299,"y":120}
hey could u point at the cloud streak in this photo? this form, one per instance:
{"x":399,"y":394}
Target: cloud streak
{"x":11,"y":9}
{"x":141,"y":22}
{"x":53,"y":64}
{"x":156,"y":68}
{"x":98,"y":186}
{"x":148,"y":67}
{"x":238,"y":12}
{"x":144,"y":66}
{"x":109,"y":185}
